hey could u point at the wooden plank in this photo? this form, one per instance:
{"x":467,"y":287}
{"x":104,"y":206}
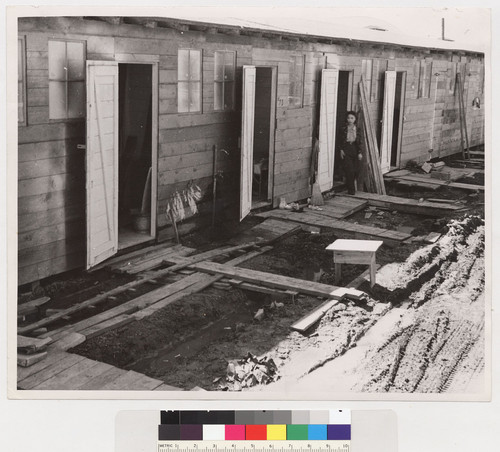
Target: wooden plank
{"x":25,"y":360}
{"x":102,"y":379}
{"x":152,"y":275}
{"x":87,"y":375}
{"x":201,"y":283}
{"x":310,"y":319}
{"x":66,"y":362}
{"x":267,"y":279}
{"x":429,"y":181}
{"x":31,"y":307}
{"x":31,"y":344}
{"x":155,"y":260}
{"x":124,"y":382}
{"x":52,"y":358}
{"x":408,"y":205}
{"x":111,"y":324}
{"x":68,"y":341}
{"x":119,"y":259}
{"x":311,"y":218}
{"x":59,"y":381}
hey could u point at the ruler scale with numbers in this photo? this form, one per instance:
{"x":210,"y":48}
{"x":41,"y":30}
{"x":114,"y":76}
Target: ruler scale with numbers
{"x":254,"y":446}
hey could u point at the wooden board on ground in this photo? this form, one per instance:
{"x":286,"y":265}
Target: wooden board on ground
{"x":270,"y":231}
{"x":358,"y":230}
{"x":429,"y":182}
{"x":407,"y":205}
{"x":269,"y":279}
{"x":67,"y":361}
{"x":150,"y":262}
{"x":310,"y":319}
{"x":30,"y":344}
{"x":152,"y":275}
{"x":341,"y":207}
{"x":31,"y":307}
{"x":68,"y":341}
{"x":133,"y":255}
{"x":25,"y":360}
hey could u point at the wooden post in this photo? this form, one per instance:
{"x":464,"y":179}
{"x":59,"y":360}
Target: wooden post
{"x":463,"y":120}
{"x":214,"y":181}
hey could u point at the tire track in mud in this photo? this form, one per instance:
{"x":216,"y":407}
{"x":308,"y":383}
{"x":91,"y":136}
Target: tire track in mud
{"x":440,"y":335}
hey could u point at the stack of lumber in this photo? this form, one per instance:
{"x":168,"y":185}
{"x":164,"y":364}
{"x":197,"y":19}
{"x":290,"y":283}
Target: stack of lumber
{"x":376,"y":179}
{"x":31,"y":350}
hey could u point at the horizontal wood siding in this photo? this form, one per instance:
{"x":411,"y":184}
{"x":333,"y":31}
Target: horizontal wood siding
{"x":51,"y":195}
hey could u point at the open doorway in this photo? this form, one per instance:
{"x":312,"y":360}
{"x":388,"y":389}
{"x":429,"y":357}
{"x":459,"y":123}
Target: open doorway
{"x":344,"y":104}
{"x":135,"y":175}
{"x":263,"y":137}
{"x":399,"y":105}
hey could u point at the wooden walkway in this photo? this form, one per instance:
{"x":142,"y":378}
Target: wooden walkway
{"x":61,"y":370}
{"x":406,"y":205}
{"x":66,"y":371}
{"x":321,"y":219}
{"x":426,"y":181}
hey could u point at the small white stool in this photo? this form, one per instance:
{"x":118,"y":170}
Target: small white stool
{"x":355,"y":252}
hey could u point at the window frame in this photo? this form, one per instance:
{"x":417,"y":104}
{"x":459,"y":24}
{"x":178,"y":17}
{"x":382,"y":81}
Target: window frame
{"x":21,"y":82}
{"x":190,"y":81}
{"x":84,"y":79}
{"x":293,"y":70}
{"x":224,"y":80}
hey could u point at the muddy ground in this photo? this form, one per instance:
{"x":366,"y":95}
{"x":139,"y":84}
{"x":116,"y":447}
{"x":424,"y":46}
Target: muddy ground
{"x":421,"y":330}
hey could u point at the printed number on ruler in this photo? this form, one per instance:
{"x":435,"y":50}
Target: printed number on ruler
{"x":249,"y":446}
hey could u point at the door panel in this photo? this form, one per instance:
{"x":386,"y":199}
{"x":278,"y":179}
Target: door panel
{"x":102,"y":161}
{"x":387,"y":121}
{"x":247,"y":131}
{"x":328,"y":112}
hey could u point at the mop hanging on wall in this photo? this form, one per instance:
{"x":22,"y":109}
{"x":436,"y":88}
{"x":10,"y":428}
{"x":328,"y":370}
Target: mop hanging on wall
{"x":180,"y":203}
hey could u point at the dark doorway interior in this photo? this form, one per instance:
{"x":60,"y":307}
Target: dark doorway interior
{"x":262,"y":134}
{"x":398,"y":117}
{"x":135,"y":153}
{"x":344,"y":103}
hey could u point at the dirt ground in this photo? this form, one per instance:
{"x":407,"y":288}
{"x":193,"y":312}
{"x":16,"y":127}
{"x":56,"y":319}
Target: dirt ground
{"x":421,"y":329}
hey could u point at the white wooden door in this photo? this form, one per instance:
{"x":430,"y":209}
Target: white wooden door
{"x":387,"y":121}
{"x":102,"y":161}
{"x":247,"y":131}
{"x":328,"y":114}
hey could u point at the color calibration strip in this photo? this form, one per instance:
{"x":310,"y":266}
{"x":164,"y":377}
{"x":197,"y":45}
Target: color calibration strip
{"x":332,"y":425}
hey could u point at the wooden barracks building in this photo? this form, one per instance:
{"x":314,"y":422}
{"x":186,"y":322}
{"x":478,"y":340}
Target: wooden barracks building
{"x":117,"y":114}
